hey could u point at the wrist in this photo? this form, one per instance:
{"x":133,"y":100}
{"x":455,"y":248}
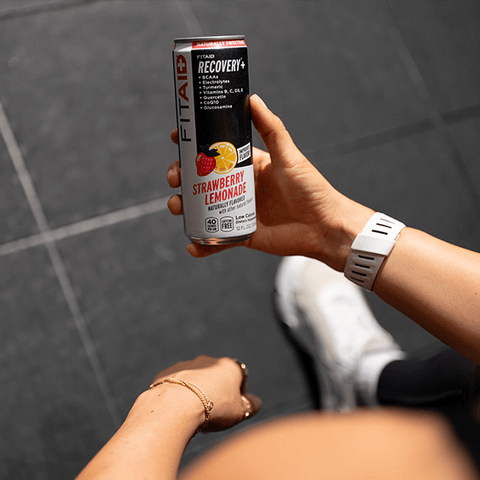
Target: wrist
{"x":348,"y":220}
{"x":168,"y":405}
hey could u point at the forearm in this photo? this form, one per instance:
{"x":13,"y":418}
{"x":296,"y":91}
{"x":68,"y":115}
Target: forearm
{"x":151,"y":442}
{"x":437,"y":285}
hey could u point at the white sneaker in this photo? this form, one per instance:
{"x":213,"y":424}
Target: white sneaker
{"x":330,"y":319}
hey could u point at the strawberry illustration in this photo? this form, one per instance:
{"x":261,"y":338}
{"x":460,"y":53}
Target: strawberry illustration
{"x":205,"y":161}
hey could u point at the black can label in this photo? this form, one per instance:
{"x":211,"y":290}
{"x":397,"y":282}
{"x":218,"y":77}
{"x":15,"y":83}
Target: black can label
{"x":215,"y":140}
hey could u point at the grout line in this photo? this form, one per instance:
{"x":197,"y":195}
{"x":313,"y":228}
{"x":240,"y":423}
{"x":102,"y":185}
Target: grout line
{"x":373,"y":140}
{"x":462,"y":114}
{"x":440,"y":121}
{"x":396,"y":133}
{"x":85,"y":226}
{"x":411,"y":68}
{"x":85,"y":336}
{"x":65,"y":284}
{"x":23,"y":175}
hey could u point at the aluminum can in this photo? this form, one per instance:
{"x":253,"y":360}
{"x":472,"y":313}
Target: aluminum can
{"x":215,"y":138}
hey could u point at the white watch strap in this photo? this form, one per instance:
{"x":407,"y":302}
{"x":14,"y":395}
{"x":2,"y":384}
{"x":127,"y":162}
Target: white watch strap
{"x":372,"y":245}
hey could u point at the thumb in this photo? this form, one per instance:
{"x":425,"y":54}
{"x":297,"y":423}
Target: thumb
{"x":274,"y":135}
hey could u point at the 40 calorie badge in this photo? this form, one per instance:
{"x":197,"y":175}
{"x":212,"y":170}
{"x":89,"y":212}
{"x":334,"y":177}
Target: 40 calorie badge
{"x":215,"y":138}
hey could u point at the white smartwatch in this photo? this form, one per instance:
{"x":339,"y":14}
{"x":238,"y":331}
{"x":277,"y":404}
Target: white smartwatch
{"x":372,"y":245}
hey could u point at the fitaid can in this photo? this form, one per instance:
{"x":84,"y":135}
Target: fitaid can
{"x":215,"y":138}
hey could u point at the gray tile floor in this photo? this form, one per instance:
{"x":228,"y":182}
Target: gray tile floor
{"x":96,"y":290}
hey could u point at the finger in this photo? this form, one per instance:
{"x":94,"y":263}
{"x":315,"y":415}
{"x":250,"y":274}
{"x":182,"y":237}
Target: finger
{"x":247,"y":407}
{"x":201,"y":251}
{"x":252,"y":405}
{"x":174,"y":136}
{"x":260,"y":158}
{"x":244,"y":371}
{"x":259,"y":152}
{"x":173,"y":174}
{"x":275,"y":136}
{"x":175,"y":205}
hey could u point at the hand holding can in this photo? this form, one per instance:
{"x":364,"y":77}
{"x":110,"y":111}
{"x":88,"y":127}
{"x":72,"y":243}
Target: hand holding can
{"x":298,"y":211}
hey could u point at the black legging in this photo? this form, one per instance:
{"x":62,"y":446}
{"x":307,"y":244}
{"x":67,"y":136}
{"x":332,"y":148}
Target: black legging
{"x":446,"y":382}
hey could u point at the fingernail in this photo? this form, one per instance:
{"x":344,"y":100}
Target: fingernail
{"x":261,"y":99}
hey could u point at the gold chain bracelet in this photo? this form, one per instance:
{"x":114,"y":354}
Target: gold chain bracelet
{"x":207,"y":404}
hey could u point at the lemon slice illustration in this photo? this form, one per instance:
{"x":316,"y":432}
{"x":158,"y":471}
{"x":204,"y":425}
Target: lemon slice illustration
{"x":227,"y":158}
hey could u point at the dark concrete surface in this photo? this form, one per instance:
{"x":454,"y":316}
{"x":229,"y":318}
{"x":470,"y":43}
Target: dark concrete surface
{"x":97,"y":292}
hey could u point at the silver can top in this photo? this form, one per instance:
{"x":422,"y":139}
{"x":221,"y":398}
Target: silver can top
{"x":213,"y":38}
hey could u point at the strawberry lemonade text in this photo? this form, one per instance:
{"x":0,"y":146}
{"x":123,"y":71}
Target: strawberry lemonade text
{"x":221,"y":189}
